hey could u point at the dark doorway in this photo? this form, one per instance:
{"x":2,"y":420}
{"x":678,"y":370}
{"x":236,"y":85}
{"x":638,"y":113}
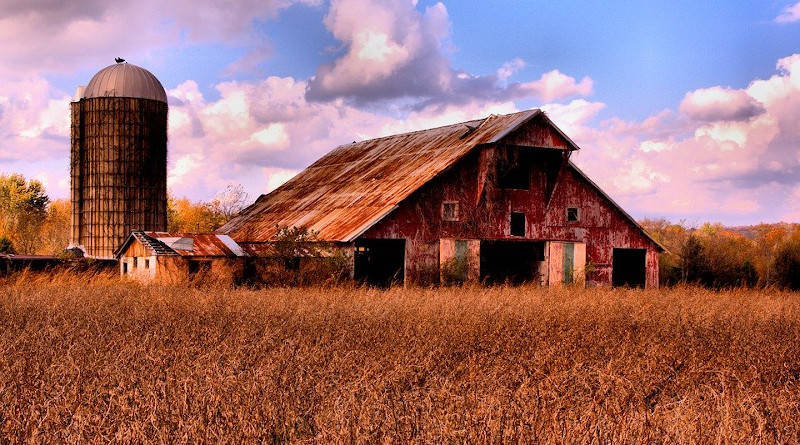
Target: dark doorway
{"x":199,"y":268}
{"x":628,"y":267}
{"x":513,"y":262}
{"x":380,"y":262}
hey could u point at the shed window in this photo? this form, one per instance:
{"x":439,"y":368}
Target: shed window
{"x":124,"y":268}
{"x":517,"y":224}
{"x":450,"y":211}
{"x":135,"y":262}
{"x":573,"y":214}
{"x":199,"y":267}
{"x":146,"y":263}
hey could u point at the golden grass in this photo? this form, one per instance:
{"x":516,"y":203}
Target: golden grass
{"x":87,"y":360}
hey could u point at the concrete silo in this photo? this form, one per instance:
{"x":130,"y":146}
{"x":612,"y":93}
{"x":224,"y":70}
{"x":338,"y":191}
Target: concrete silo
{"x":118,"y":161}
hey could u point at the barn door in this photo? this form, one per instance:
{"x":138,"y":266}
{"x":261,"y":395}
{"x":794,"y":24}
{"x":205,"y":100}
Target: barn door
{"x":380,"y":262}
{"x":629,"y":268}
{"x":567,"y":263}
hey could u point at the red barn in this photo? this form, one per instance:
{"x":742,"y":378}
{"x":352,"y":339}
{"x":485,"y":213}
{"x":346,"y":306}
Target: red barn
{"x":494,"y":199}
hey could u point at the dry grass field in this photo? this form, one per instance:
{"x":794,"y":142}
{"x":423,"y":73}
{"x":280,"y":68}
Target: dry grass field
{"x":97,"y":360}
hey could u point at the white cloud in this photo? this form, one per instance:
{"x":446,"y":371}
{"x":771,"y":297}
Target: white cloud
{"x":789,"y":14}
{"x":554,"y":85}
{"x":392,"y":51}
{"x":509,"y":69}
{"x":716,"y":104}
{"x":722,"y":155}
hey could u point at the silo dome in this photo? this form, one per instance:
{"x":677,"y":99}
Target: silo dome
{"x":125,"y":80}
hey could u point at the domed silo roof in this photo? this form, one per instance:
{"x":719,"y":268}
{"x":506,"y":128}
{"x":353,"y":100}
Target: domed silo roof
{"x":125,"y":80}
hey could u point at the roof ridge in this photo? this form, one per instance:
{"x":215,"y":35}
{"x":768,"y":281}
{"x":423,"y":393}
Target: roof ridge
{"x":391,"y":136}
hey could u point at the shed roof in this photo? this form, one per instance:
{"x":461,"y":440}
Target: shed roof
{"x":354,"y":186}
{"x":184,"y":244}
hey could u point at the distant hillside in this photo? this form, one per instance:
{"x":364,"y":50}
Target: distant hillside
{"x":751,"y":232}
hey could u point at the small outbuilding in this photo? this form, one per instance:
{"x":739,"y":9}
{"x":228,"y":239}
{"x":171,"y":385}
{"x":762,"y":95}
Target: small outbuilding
{"x":181,"y":257}
{"x":494,"y":200}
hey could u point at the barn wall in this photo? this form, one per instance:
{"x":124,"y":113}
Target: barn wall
{"x":485,"y":210}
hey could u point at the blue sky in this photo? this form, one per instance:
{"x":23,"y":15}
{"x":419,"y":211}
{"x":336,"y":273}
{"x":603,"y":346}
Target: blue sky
{"x":683,"y":110}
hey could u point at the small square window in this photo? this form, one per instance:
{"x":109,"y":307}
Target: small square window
{"x":573,"y":215}
{"x":450,"y":211}
{"x":517,"y":224}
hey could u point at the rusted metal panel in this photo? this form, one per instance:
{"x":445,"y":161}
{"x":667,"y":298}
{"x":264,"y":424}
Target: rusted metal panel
{"x":140,"y":244}
{"x":203,"y":244}
{"x":356,"y":185}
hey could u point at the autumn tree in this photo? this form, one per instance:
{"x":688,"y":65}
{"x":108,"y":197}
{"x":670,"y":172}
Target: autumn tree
{"x":184,"y":215}
{"x":728,"y":258}
{"x":228,"y":203}
{"x":672,"y":237}
{"x":787,"y":262}
{"x":54,"y":232}
{"x":23,"y":210}
{"x":767,"y":239}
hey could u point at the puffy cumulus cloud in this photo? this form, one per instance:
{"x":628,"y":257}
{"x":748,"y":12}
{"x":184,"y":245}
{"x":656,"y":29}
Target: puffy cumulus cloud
{"x":262,"y":133}
{"x":33,"y":124}
{"x":573,"y":118}
{"x":553,"y":85}
{"x":789,"y":14}
{"x":392,"y":50}
{"x":716,"y":104}
{"x":59,"y":36}
{"x":258,"y":134}
{"x":727,"y":153}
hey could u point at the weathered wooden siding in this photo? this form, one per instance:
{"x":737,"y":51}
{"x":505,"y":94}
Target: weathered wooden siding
{"x":485,"y":211}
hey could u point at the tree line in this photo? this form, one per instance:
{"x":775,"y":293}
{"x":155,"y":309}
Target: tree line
{"x":33,"y":224}
{"x":718,"y":257}
{"x":710,"y":255}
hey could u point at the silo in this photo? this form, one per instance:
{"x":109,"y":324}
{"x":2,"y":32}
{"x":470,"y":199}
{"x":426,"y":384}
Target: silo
{"x":118,"y":159}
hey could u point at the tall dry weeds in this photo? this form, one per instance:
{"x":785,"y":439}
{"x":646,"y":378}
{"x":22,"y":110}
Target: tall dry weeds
{"x":119,"y":362}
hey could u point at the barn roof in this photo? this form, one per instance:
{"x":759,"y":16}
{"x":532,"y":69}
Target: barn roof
{"x":356,"y":185}
{"x":184,"y":244}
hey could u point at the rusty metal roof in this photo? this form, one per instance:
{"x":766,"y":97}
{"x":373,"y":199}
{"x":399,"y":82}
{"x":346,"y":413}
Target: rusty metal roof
{"x":185,"y":244}
{"x":356,"y":185}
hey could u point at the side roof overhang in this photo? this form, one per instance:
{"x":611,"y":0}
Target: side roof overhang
{"x":627,"y":216}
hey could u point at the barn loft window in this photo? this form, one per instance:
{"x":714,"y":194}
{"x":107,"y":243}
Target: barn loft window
{"x":517,"y":224}
{"x":518,"y":177}
{"x":573,"y":214}
{"x":450,"y":211}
